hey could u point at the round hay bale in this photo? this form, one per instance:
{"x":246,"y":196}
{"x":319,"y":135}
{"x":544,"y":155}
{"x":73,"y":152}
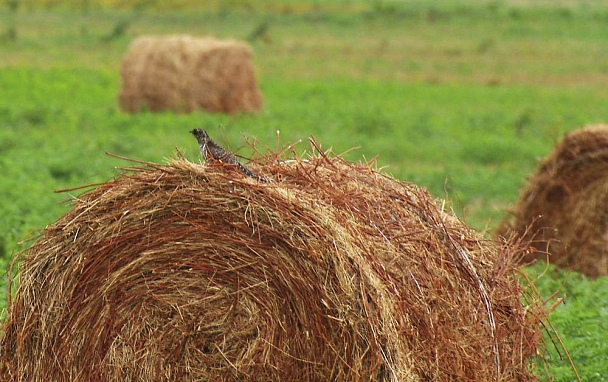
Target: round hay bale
{"x":562,"y":211}
{"x":329,"y":272}
{"x":183,"y":74}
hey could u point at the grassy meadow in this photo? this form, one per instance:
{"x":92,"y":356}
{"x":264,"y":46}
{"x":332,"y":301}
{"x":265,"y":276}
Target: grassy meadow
{"x":461,"y":97}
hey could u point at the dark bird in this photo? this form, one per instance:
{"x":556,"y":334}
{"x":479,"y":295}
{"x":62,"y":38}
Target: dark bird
{"x":212,"y":152}
{"x":260,"y":32}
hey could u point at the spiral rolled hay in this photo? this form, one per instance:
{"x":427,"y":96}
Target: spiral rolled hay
{"x":562,"y":210}
{"x":329,"y":271}
{"x":183,"y":73}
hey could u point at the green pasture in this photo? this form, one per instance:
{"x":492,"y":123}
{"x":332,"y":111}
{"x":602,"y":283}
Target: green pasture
{"x":461,"y":97}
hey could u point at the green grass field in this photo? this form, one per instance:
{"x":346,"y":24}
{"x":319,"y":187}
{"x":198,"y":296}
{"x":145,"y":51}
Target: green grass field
{"x":460,"y":97}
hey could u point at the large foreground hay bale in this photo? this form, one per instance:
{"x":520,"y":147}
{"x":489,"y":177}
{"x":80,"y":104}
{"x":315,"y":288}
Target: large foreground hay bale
{"x":563,"y":209}
{"x":183,"y":73}
{"x":330,"y":272}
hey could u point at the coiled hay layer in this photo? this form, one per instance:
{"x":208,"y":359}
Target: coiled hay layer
{"x":329,"y":272}
{"x":183,"y":74}
{"x":563,"y":209}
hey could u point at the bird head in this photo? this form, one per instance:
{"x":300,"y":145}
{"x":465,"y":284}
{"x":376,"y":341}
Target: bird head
{"x":200,"y":134}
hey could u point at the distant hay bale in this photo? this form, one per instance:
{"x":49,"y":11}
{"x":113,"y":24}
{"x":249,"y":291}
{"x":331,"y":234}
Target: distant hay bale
{"x":329,"y":272}
{"x":563,"y":209}
{"x":183,"y":74}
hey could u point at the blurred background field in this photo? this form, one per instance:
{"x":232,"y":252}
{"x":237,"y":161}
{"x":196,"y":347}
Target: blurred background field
{"x":461,"y":97}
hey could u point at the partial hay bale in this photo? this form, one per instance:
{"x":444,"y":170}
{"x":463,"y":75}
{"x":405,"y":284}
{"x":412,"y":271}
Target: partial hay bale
{"x":183,"y":74}
{"x":562,"y":211}
{"x":330,"y":272}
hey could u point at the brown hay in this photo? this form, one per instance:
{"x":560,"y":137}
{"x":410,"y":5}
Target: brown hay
{"x":563,"y":209}
{"x":183,"y":73}
{"x":329,"y":272}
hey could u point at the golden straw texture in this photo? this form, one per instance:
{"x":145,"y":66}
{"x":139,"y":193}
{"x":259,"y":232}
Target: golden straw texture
{"x":183,"y":74}
{"x":330,"y":271}
{"x":563,"y":209}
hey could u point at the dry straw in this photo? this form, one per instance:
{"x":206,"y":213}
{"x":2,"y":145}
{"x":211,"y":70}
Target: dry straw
{"x":330,"y":271}
{"x":183,"y":73}
{"x":563,"y":209}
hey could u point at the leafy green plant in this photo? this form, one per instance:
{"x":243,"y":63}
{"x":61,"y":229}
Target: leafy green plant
{"x":582,"y":316}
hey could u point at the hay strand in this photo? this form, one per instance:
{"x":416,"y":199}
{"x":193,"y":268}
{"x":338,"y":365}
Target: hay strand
{"x":562,"y":209}
{"x":183,"y":74}
{"x":332,"y":271}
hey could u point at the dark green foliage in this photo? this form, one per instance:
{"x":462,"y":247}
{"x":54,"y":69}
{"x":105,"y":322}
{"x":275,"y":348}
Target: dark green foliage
{"x":581,"y":322}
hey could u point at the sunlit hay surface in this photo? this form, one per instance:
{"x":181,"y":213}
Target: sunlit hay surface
{"x":563,"y":208}
{"x":330,"y":271}
{"x":184,"y":73}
